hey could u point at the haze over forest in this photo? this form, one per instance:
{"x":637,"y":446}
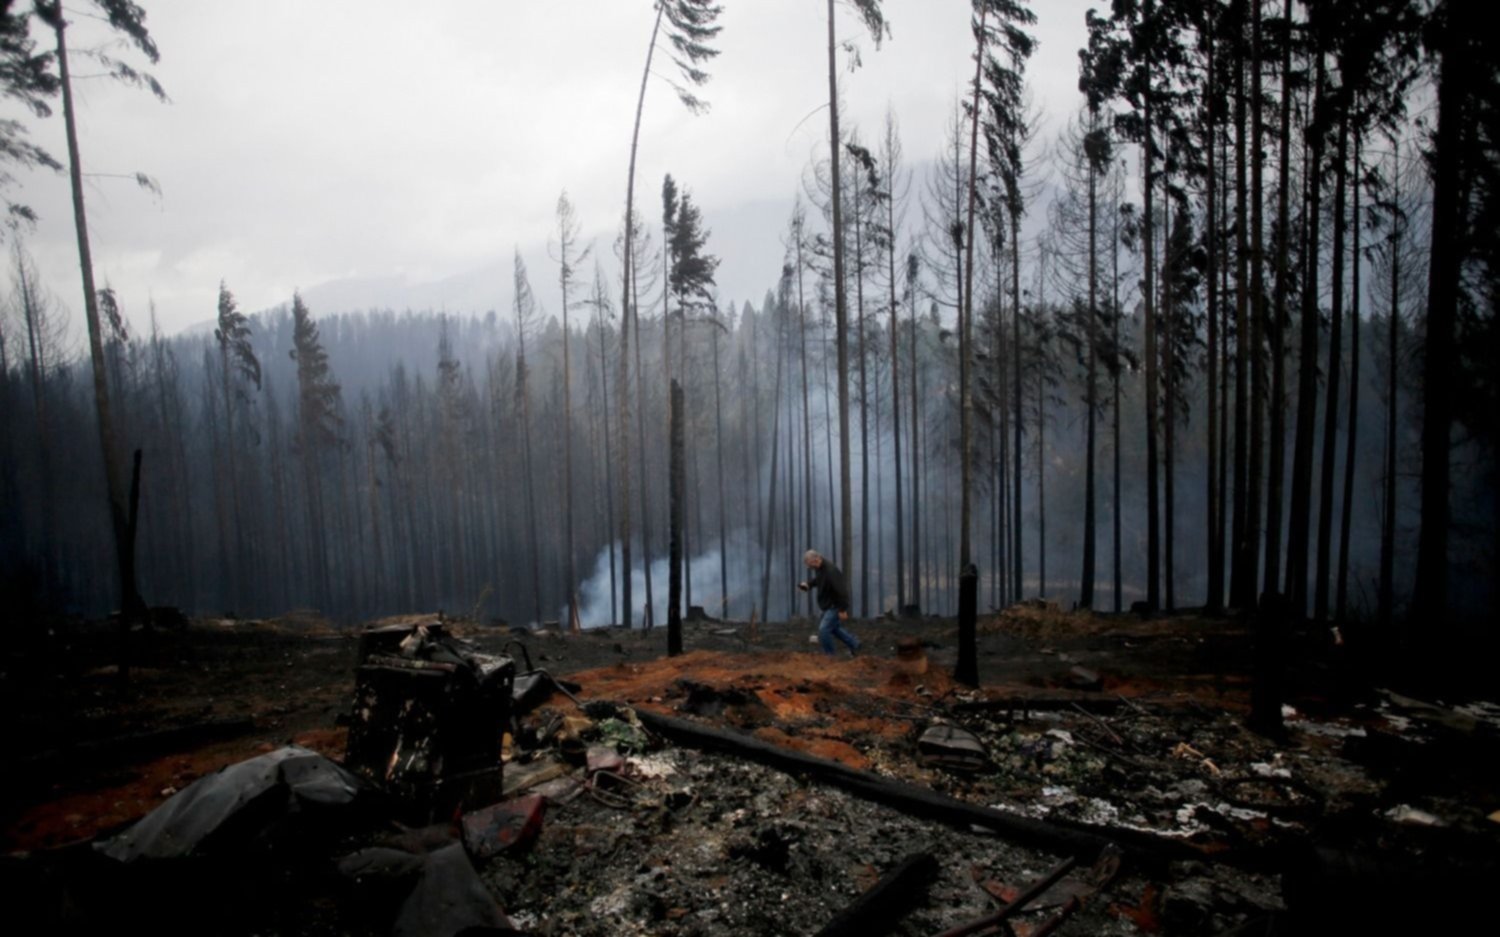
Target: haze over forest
{"x":1174,"y":303}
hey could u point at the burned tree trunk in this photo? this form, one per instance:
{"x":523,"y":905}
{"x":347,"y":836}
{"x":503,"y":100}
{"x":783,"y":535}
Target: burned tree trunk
{"x":1351,"y":430}
{"x":1214,"y":601}
{"x":131,"y":605}
{"x":967,"y":669}
{"x":648,"y":615}
{"x":1307,"y":380}
{"x":841,"y":313}
{"x":965,"y":327}
{"x":1241,"y":591}
{"x":769,"y":537}
{"x":807,"y":485}
{"x":1148,"y":294}
{"x":676,"y":480}
{"x":1387,"y":599}
{"x":1332,"y":375}
{"x":1249,"y":556}
{"x":719,"y":456}
{"x":1276,"y":466}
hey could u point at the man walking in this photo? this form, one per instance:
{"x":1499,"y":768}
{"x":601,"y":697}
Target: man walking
{"x":833,"y":599}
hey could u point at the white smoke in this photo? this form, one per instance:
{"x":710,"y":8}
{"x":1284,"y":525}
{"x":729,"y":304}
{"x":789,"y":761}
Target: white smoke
{"x":744,"y":571}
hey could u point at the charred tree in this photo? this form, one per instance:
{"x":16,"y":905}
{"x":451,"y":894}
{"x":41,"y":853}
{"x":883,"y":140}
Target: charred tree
{"x":1351,"y":428}
{"x":1457,"y":26}
{"x":525,"y":310}
{"x":869,"y":11}
{"x":568,"y":257}
{"x":677,"y":480}
{"x":129,"y":20}
{"x":1280,"y":319}
{"x":1307,"y":366}
{"x":691,"y":26}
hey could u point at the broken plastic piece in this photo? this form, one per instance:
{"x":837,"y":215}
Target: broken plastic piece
{"x":512,"y":824}
{"x":603,"y":758}
{"x":1411,"y":816}
{"x":1082,"y":678}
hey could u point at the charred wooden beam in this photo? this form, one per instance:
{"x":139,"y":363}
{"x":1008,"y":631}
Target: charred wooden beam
{"x":880,"y":908}
{"x":910,"y":798}
{"x":1058,"y":918}
{"x":1022,"y":900}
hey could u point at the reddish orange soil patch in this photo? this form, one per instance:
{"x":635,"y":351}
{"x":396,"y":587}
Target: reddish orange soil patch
{"x":889,"y":729}
{"x":793,"y":684}
{"x":827,"y":708}
{"x":788,"y":702}
{"x":818,"y":746}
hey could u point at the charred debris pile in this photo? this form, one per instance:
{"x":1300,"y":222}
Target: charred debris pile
{"x":739,"y":793}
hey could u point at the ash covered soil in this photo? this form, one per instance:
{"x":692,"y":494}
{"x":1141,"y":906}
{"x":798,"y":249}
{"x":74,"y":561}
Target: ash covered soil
{"x":1109,"y":723}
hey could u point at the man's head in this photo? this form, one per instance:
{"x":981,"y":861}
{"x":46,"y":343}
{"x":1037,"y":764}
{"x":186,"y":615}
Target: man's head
{"x":812,"y":559}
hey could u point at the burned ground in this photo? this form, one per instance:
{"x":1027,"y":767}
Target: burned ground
{"x":1132,"y":730}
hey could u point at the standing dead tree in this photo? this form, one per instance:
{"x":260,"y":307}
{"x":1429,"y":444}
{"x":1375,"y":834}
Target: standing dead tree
{"x":691,"y":26}
{"x":129,"y":19}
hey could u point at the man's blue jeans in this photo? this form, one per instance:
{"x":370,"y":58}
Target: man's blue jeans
{"x":829,"y":627}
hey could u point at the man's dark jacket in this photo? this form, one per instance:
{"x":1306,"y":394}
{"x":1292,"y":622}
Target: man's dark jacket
{"x":833,"y":592}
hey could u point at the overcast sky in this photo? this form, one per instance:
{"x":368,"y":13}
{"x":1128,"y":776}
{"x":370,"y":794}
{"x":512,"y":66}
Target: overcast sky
{"x":396,"y":154}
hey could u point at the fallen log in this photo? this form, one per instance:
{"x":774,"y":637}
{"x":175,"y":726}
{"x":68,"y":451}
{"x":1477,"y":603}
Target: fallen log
{"x":880,"y":908}
{"x":918,"y":801}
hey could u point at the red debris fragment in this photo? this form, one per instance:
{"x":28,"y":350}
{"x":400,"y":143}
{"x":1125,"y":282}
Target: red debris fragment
{"x":514,"y":823}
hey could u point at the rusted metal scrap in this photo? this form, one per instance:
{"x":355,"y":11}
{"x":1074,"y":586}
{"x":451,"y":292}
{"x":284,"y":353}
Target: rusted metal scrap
{"x":948,"y":746}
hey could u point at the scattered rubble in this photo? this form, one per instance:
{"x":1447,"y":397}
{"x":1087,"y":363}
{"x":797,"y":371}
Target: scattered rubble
{"x":731,"y":791}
